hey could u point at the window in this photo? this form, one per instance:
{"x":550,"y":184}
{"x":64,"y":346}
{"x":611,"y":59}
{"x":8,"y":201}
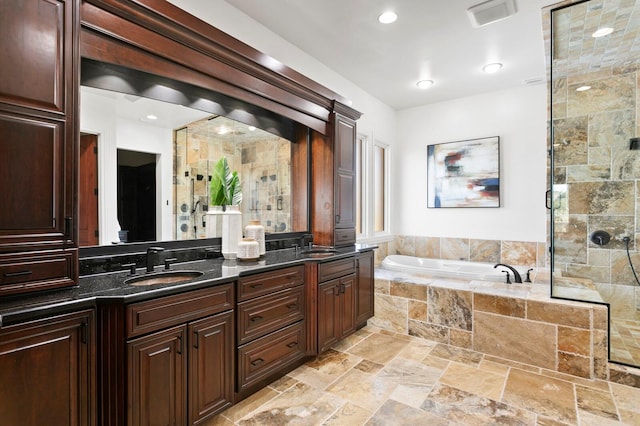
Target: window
{"x":372,"y":190}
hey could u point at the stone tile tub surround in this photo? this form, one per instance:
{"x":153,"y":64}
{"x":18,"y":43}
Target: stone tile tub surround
{"x":520,"y":323}
{"x":518,"y":253}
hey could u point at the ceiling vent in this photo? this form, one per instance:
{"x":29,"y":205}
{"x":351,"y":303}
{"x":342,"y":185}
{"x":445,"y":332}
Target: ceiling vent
{"x":491,"y":11}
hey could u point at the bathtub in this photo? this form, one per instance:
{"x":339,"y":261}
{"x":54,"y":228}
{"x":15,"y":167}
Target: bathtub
{"x":446,"y":268}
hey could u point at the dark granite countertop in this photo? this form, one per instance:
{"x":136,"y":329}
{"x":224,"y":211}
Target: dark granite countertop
{"x":112,"y":286}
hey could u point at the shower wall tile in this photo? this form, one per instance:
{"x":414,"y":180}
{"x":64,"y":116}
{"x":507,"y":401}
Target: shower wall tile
{"x":570,"y":141}
{"x":454,"y":248}
{"x":594,"y":273}
{"x":621,"y":272}
{"x":599,"y":155}
{"x":602,"y":198}
{"x":613,"y":93}
{"x":588,"y":173}
{"x":626,"y":164}
{"x":484,"y":251}
{"x":599,"y":257}
{"x":571,"y":239}
{"x":612,"y":128}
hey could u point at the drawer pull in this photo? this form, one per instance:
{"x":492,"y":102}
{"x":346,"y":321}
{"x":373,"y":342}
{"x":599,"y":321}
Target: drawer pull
{"x":256,"y":318}
{"x":179,"y":346}
{"x":257,"y":285}
{"x":17,"y":274}
{"x":292,"y":345}
{"x":342,"y":288}
{"x":292,"y":305}
{"x":257,"y":362}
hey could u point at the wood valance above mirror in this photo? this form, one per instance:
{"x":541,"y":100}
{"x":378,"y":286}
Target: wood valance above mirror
{"x":156,"y":37}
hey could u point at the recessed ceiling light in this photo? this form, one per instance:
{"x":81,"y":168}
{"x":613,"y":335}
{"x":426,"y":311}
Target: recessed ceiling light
{"x":222,"y":130}
{"x":601,"y":32}
{"x":424,"y":84}
{"x":387,"y":17}
{"x":152,"y":117}
{"x":583,"y":88}
{"x":251,"y":128}
{"x":491,"y":68}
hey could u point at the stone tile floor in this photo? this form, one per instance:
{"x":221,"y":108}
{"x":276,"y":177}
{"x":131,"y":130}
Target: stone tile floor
{"x":376,"y":377}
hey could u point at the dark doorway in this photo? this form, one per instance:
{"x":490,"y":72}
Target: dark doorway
{"x":137,"y":195}
{"x":88,"y":191}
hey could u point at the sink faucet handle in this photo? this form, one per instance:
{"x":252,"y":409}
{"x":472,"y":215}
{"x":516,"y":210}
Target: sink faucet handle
{"x":168,"y":262}
{"x":131,"y":266}
{"x":528,"y":278}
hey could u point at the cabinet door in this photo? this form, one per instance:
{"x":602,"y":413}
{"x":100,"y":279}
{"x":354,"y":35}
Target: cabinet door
{"x":211,"y":353}
{"x":37,"y":52}
{"x":156,"y":379}
{"x":328,"y":311}
{"x":347,"y":307}
{"x":47,"y":372}
{"x":364,"y":289}
{"x":345,"y":180}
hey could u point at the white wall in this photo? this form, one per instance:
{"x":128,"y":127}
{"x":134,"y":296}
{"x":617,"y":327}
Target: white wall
{"x":98,"y":116}
{"x":518,"y":116}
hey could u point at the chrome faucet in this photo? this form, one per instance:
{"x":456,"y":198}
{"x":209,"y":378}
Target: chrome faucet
{"x":150,"y":252}
{"x":516,"y":275}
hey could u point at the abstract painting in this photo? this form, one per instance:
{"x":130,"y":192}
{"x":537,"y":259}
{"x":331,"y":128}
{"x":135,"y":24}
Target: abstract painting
{"x":464,"y":173}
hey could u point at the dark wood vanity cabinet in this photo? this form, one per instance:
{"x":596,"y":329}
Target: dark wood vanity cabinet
{"x":364,"y":287}
{"x":271,"y":332}
{"x":336,"y":301}
{"x":38,"y":144}
{"x":47,"y":371}
{"x":180,"y":371}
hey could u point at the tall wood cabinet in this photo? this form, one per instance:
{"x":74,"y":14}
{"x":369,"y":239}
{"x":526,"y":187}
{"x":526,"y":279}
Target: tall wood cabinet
{"x":47,"y":371}
{"x":345,"y":179}
{"x":38,"y":138}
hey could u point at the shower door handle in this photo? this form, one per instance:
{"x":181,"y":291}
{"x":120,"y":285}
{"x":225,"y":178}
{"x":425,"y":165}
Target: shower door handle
{"x":547,"y":199}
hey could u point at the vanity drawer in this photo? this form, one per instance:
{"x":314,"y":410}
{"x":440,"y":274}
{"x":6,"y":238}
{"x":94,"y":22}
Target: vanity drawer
{"x":335,"y":269}
{"x":156,"y":314}
{"x":265,"y":314}
{"x":268,"y":282}
{"x":37,"y":271}
{"x":265,"y":356}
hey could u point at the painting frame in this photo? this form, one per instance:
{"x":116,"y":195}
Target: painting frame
{"x":464,"y":173}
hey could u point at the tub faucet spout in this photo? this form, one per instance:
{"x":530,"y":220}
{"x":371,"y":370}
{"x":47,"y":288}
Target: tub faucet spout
{"x":516,"y":275}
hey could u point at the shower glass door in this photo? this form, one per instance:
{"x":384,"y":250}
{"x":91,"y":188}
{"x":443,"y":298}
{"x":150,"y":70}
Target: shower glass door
{"x":595,"y":170}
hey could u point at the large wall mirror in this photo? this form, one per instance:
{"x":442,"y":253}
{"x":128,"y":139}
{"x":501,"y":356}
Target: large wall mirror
{"x":595,"y":63}
{"x":148,"y":147}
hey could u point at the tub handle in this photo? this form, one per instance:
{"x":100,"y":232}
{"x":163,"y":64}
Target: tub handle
{"x":508,"y":281}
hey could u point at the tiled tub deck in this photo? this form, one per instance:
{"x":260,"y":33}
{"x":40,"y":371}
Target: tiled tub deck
{"x":518,"y":322}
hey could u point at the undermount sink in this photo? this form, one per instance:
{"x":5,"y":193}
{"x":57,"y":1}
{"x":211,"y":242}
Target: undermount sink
{"x":318,"y":252}
{"x":164,"y":277}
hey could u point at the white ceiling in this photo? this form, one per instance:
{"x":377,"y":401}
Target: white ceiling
{"x":432,"y":39}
